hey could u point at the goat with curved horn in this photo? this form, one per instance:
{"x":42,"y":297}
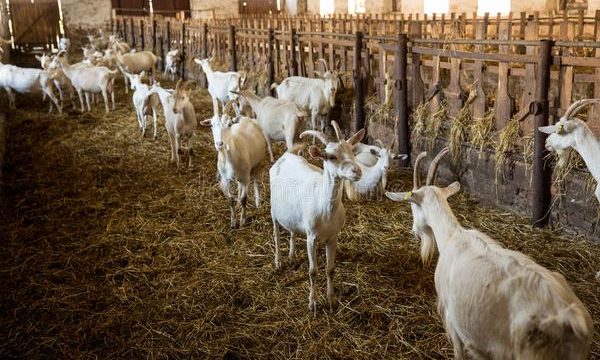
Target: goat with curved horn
{"x":316,"y":134}
{"x":338,"y":131}
{"x":416,"y":176}
{"x":434,"y":166}
{"x":577,"y":106}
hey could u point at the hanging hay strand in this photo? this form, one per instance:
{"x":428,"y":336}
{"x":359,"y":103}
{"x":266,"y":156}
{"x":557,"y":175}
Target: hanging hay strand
{"x":481,"y":131}
{"x":419,"y":117}
{"x":458,"y":130}
{"x":435,"y":126}
{"x":507,"y":141}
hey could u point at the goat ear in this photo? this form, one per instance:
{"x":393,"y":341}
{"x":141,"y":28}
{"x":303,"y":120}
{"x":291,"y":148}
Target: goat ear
{"x":197,"y":61}
{"x":356,"y":138}
{"x":451,"y":189}
{"x":410,"y":196}
{"x":205,"y":122}
{"x":401,"y":156}
{"x":316,"y":153}
{"x":319,"y":74}
{"x":548,"y":129}
{"x":39,"y":58}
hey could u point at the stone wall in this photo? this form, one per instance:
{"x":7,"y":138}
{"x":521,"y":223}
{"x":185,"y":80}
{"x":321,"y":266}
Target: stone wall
{"x":575,"y":211}
{"x":202,"y":9}
{"x":86,"y":14}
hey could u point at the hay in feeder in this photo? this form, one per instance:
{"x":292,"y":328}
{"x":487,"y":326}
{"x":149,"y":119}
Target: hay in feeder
{"x":419,"y":117}
{"x":482,"y":131}
{"x":505,"y":146}
{"x":435,"y":126}
{"x":459,"y":127}
{"x":110,"y":252}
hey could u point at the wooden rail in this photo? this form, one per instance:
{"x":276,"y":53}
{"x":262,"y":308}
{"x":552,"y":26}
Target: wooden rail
{"x":514,"y":63}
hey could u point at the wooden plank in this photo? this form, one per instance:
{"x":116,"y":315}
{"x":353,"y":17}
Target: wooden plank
{"x":416,"y":84}
{"x":503,"y":110}
{"x":531,"y":33}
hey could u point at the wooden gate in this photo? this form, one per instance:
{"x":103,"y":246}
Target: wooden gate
{"x":35,"y":22}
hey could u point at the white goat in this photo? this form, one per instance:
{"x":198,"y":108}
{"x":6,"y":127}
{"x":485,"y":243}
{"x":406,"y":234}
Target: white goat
{"x":27,"y":80}
{"x":221,"y":85}
{"x":180,"y":119}
{"x":89,"y":80}
{"x":495,"y":303}
{"x":314,"y":96}
{"x":374,"y":177}
{"x":145,"y":103}
{"x":240,"y":157}
{"x":60,"y":80}
{"x":571,"y":132}
{"x":64,"y":44}
{"x":307,"y":200}
{"x":278,"y":119}
{"x":135,"y":63}
{"x":172,"y":60}
{"x":118,"y":46}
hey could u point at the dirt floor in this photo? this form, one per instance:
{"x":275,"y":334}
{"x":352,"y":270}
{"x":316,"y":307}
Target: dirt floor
{"x":108,"y":251}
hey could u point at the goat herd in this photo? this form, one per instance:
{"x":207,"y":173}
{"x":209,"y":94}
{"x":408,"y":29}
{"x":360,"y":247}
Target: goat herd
{"x":495,"y":303}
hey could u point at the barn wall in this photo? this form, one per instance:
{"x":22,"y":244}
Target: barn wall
{"x":202,"y":9}
{"x":86,"y":14}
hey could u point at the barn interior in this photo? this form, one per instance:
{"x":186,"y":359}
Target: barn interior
{"x":110,"y":250}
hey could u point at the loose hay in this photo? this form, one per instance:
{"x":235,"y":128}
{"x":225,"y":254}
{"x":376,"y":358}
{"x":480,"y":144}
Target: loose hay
{"x":482,"y":131}
{"x":507,"y":141}
{"x":435,"y":125}
{"x":109,"y":252}
{"x":459,"y":127}
{"x":419,"y":116}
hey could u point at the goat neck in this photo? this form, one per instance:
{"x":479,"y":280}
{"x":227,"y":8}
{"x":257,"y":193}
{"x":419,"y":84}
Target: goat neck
{"x":441,"y":220}
{"x":331,"y":196}
{"x":589,"y":148}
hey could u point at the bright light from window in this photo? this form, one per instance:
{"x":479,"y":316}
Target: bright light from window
{"x":326,"y":7}
{"x":356,"y":7}
{"x":493,"y":7}
{"x":437,"y":6}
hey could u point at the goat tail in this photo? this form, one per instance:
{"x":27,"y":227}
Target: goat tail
{"x":296,"y":148}
{"x":574,"y":318}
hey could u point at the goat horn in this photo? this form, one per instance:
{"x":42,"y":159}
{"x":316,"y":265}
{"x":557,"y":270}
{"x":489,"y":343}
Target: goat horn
{"x":379,"y":143}
{"x":577,"y":106}
{"x":324,"y":63}
{"x":319,"y":135}
{"x":416,"y":177}
{"x":434,"y":166}
{"x":393,"y":143}
{"x":336,"y":128}
{"x":178,"y":84}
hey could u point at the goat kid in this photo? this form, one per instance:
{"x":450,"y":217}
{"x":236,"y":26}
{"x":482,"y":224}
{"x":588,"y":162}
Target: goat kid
{"x":145,"y":103}
{"x":307,"y":200}
{"x":172,"y":60}
{"x":180,"y":120}
{"x":495,"y":303}
{"x":374,"y":177}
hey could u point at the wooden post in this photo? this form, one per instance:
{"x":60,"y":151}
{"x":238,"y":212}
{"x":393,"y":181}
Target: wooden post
{"x":402,"y":99}
{"x":271,"y":63}
{"x":359,"y":101}
{"x":183,"y":50}
{"x":154,"y":35}
{"x":132,"y":33}
{"x":233,"y":50}
{"x":541,"y":173}
{"x":205,"y":41}
{"x":142,"y":34}
{"x":168,"y":36}
{"x":293,"y":62}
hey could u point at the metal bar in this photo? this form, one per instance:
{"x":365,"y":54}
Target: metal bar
{"x":142,"y":35}
{"x":154,"y":36}
{"x":293,"y":63}
{"x":132,"y":33}
{"x":542,"y":173}
{"x":271,"y":64}
{"x":233,"y":50}
{"x":183,"y":50}
{"x":402,"y":99}
{"x":359,"y":101}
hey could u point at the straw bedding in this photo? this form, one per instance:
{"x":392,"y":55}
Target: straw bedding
{"x":109,"y":252}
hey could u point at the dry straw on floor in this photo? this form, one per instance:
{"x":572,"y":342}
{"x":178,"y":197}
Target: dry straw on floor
{"x":109,"y":252}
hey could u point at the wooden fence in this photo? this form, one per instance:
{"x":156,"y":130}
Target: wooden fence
{"x":528,"y":67}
